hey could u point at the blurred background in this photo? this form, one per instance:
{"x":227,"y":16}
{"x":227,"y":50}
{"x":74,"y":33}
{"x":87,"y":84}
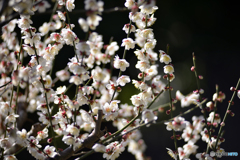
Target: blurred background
{"x":210,"y":29}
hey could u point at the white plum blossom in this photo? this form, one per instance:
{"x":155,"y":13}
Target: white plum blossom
{"x":29,"y":50}
{"x":9,"y":157}
{"x":148,"y":8}
{"x":148,"y":116}
{"x":121,"y":64}
{"x":69,"y":140}
{"x":70,"y":5}
{"x":217,"y":118}
{"x":61,"y":15}
{"x":44,"y":29}
{"x":83,"y":24}
{"x":143,"y":65}
{"x":22,"y":137}
{"x":112,"y":48}
{"x":42,"y":134}
{"x":178,"y":124}
{"x":164,"y":58}
{"x":61,"y":89}
{"x":129,"y":3}
{"x":99,"y":74}
{"x":111,"y":110}
{"x":24,"y":22}
{"x":68,"y":35}
{"x":168,"y":69}
{"x":190,"y":148}
{"x":128,"y":43}
{"x":73,"y":130}
{"x":99,"y":148}
{"x":63,"y":75}
{"x":238,"y":93}
{"x":221,"y":96}
{"x":93,"y":21}
{"x":186,"y":101}
{"x":11,"y":118}
{"x":145,"y":33}
{"x":50,"y":151}
{"x":42,"y":6}
{"x":113,"y":150}
{"x":203,"y":156}
{"x":151,"y":43}
{"x":126,"y":28}
{"x":123,"y":80}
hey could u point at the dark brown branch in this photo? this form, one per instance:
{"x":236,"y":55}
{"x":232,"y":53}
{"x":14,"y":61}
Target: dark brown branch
{"x":87,"y":143}
{"x":6,"y":84}
{"x":4,"y":5}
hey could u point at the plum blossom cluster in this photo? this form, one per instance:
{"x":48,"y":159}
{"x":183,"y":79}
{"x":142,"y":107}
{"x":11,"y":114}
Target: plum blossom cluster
{"x":29,"y":86}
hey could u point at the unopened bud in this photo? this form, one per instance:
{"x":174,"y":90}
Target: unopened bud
{"x":49,"y":140}
{"x":168,"y":112}
{"x":200,"y":77}
{"x":161,"y":109}
{"x":192,"y":68}
{"x":119,"y":89}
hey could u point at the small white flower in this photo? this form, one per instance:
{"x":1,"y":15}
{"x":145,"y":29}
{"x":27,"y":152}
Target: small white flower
{"x":29,"y":50}
{"x":73,"y":130}
{"x":69,"y":140}
{"x":112,"y":48}
{"x":111,"y":110}
{"x":123,"y":80}
{"x":50,"y":151}
{"x":11,"y":118}
{"x":44,"y":29}
{"x":145,"y":33}
{"x":168,"y":69}
{"x":121,"y":64}
{"x":93,"y":21}
{"x":83,"y":24}
{"x":99,"y":148}
{"x":178,"y":124}
{"x":164,"y":58}
{"x":129,"y":3}
{"x":151,"y":43}
{"x":128,"y":43}
{"x":24,"y":22}
{"x":61,"y":89}
{"x":22,"y":137}
{"x":126,"y":28}
{"x":68,"y":35}
{"x":61,"y":15}
{"x":148,"y":116}
{"x":204,"y":156}
{"x":190,"y":148}
{"x":70,"y":5}
{"x":113,"y":150}
{"x":63,"y":75}
{"x":9,"y":157}
{"x":238,"y":93}
{"x":42,"y":134}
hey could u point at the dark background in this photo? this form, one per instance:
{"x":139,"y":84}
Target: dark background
{"x":210,"y":29}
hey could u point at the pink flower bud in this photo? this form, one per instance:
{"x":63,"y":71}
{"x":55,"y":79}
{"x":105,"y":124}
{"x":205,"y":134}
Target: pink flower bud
{"x":192,"y":68}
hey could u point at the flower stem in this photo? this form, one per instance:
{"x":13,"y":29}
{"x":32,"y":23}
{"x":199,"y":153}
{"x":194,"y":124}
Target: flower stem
{"x":215,"y":108}
{"x":200,"y":97}
{"x":226,"y":114}
{"x":171,"y":110}
{"x":48,"y":107}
